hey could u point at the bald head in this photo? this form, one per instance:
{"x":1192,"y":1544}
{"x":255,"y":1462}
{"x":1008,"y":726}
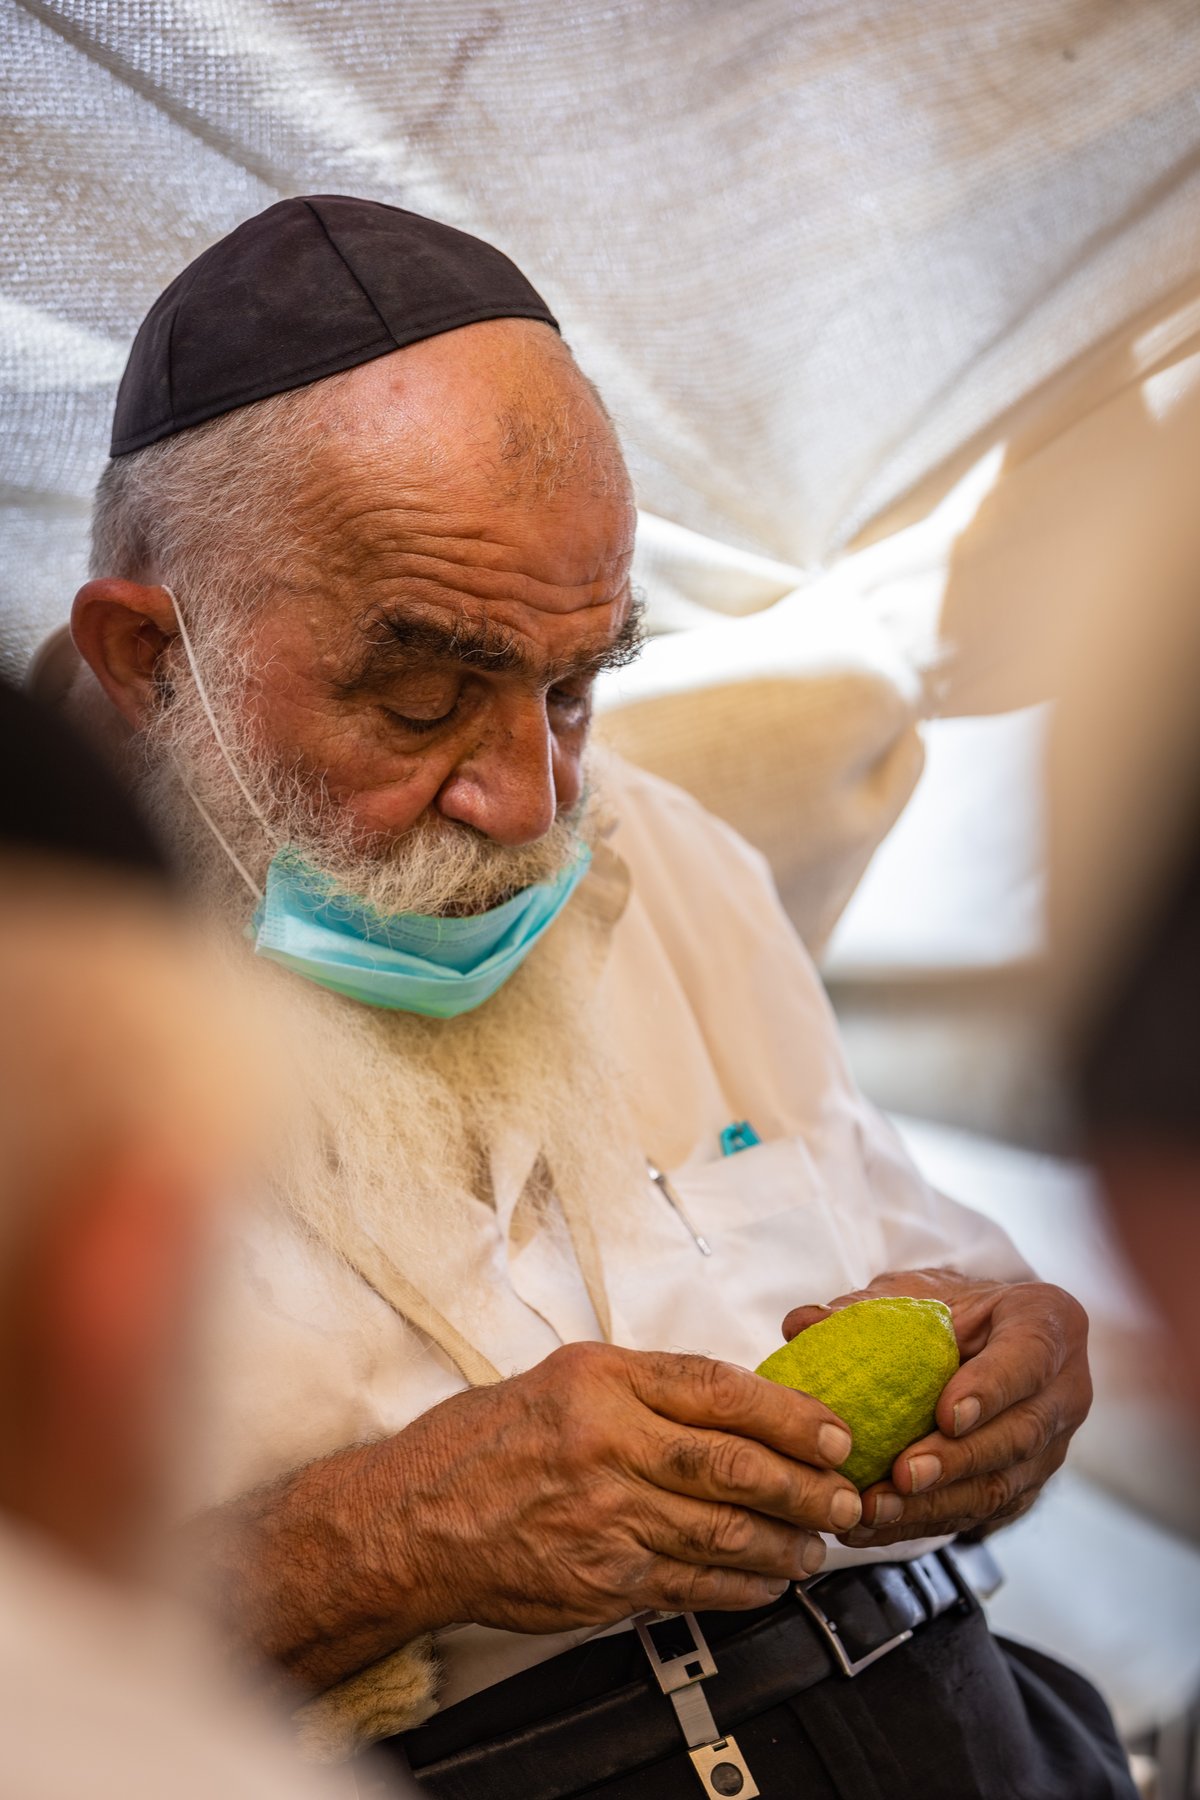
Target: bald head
{"x":506,"y":394}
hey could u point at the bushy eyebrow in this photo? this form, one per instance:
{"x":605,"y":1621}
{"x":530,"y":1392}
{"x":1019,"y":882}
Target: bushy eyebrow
{"x":397,"y":640}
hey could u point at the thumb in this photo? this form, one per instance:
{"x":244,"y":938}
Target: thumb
{"x":919,"y":1283}
{"x":801,"y":1317}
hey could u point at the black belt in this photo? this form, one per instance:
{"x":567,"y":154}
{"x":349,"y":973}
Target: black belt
{"x":514,"y":1740}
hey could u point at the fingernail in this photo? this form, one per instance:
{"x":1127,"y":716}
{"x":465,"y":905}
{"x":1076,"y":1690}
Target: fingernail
{"x":845,"y":1509}
{"x":834,"y":1443}
{"x":923,"y":1471}
{"x":888,"y":1508}
{"x":966,"y":1415}
{"x":777,"y":1587}
{"x":812,"y":1556}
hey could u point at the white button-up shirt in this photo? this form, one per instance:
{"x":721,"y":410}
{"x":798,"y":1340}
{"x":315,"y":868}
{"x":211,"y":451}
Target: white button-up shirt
{"x":720,"y":1017}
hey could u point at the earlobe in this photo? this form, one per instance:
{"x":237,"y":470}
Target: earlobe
{"x":121,"y":629}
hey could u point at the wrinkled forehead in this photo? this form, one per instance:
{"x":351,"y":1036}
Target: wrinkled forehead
{"x":482,"y":464}
{"x":503,"y":400}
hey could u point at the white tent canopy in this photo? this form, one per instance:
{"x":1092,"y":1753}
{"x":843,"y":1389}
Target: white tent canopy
{"x":820,"y":258}
{"x":808,"y":251}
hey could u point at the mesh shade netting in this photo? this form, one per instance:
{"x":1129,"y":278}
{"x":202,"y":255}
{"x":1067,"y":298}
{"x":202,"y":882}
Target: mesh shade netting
{"x":807,"y":251}
{"x":811,"y":254}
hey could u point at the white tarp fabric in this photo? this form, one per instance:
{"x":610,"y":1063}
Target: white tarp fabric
{"x":813,"y":254}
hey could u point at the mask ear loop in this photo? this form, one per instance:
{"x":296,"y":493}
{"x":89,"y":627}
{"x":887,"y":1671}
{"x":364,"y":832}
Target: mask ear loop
{"x":251,"y":802}
{"x":236,"y":860}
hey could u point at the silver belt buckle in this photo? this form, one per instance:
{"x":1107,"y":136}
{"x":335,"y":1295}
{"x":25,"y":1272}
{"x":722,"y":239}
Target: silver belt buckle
{"x":679,"y":1668}
{"x":829,"y":1631}
{"x":972,"y":1569}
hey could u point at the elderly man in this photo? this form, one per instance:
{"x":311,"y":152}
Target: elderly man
{"x":577,"y":1133}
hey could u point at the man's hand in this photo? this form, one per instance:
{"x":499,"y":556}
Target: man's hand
{"x":1004,"y":1419}
{"x":604,"y":1481}
{"x":598,"y":1483}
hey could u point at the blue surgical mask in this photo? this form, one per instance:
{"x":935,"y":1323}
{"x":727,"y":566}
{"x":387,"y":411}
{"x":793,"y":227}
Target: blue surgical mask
{"x":410,"y":962}
{"x":407,"y":962}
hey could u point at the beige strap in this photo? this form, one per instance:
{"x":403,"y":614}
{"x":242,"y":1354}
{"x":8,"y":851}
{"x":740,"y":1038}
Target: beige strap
{"x":404,"y":1297}
{"x":587,"y":1253}
{"x":382,"y":1275}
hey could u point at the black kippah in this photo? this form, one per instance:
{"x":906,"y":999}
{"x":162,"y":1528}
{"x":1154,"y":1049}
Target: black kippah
{"x":308,"y":287}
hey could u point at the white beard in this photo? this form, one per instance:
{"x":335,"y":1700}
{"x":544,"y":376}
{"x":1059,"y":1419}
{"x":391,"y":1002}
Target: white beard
{"x":396,"y":1116}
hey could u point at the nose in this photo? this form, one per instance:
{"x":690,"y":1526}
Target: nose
{"x":510,"y":787}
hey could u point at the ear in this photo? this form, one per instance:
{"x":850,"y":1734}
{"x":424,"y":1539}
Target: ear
{"x":121,"y":630}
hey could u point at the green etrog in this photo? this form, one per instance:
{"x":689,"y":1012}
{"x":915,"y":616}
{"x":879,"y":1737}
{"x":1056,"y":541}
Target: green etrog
{"x":881,"y":1366}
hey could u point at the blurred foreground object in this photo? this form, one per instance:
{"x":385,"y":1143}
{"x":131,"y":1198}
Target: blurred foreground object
{"x":1141,"y":1098}
{"x":108,"y":1172}
{"x":1124,"y":986}
{"x":1139,"y":1086}
{"x":1124,"y":887}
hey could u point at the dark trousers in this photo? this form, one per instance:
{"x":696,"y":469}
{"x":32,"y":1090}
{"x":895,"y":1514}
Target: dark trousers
{"x":955,"y":1714}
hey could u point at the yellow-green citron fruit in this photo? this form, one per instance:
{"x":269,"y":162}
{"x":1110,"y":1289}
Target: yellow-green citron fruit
{"x":881,"y":1366}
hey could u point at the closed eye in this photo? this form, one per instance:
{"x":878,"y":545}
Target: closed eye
{"x":418,"y":726}
{"x":572,"y":709}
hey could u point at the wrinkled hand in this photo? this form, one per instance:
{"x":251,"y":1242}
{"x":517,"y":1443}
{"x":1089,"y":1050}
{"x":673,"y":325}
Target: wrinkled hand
{"x":1004,"y":1419}
{"x":605,"y":1481}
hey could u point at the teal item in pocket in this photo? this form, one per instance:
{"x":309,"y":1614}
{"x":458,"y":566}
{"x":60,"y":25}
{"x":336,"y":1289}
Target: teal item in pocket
{"x":407,"y":962}
{"x":741,"y":1135}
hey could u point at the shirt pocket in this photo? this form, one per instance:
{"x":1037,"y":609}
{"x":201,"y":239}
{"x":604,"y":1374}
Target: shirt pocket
{"x":782,"y":1233}
{"x":734,"y":1192}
